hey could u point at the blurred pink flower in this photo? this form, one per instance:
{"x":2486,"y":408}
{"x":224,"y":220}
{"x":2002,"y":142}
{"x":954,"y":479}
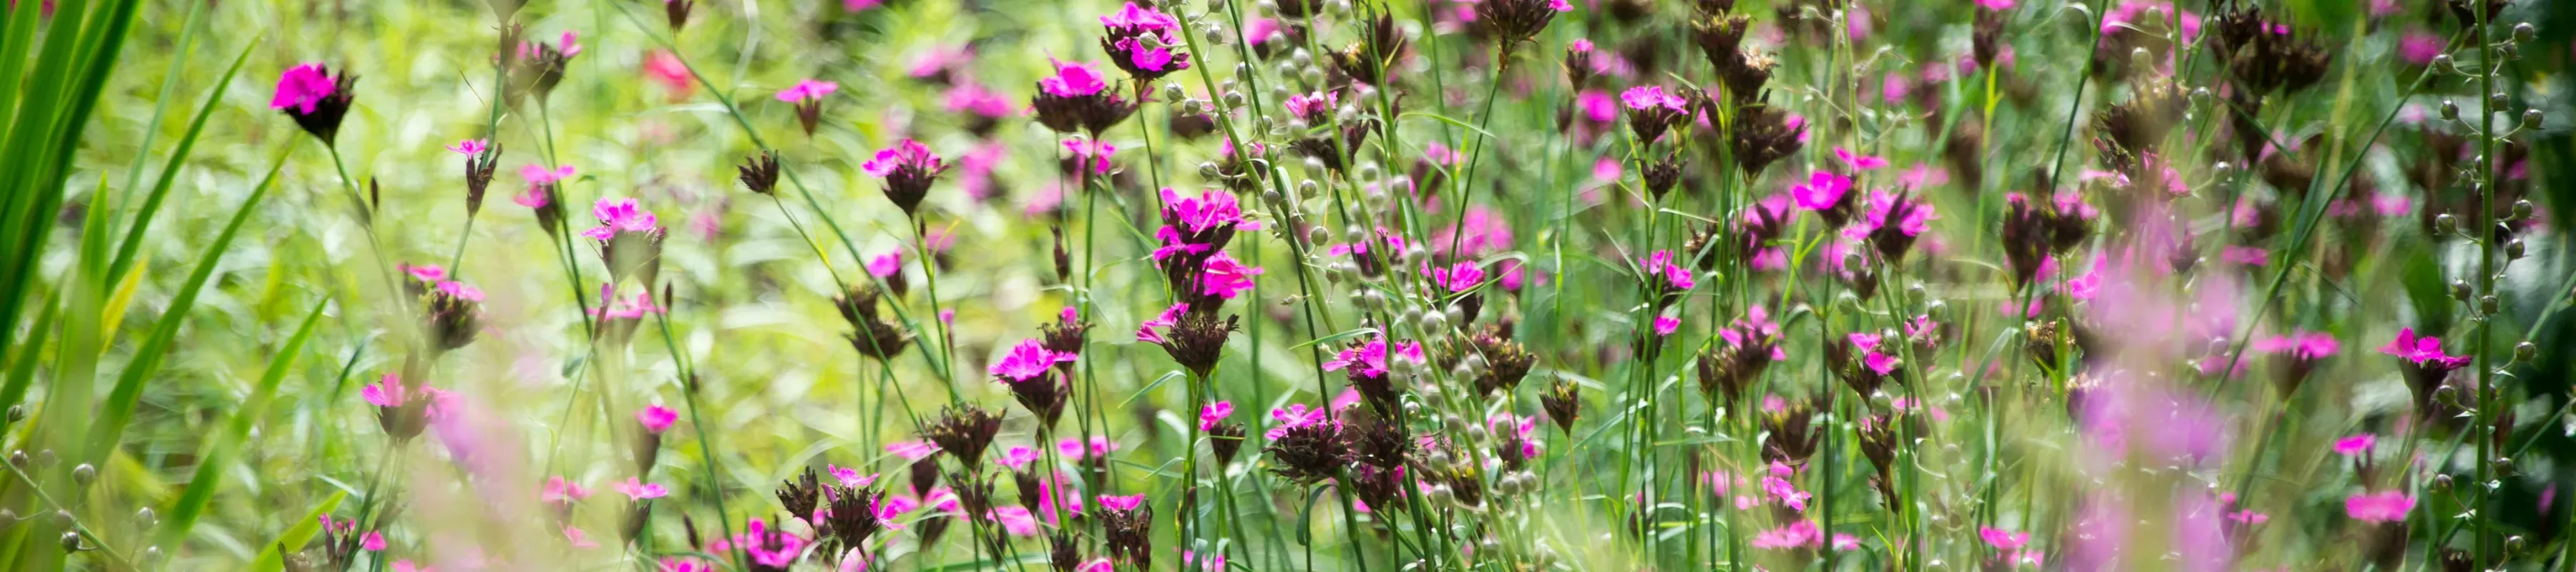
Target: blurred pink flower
{"x":2390,"y":506}
{"x":2355,"y":446}
{"x":673,"y":75}
{"x":1214,"y":413}
{"x":808,"y":89}
{"x":469,"y":147}
{"x":636,"y":489}
{"x":2419,"y":48}
{"x":656,"y":418}
{"x":912,"y":450}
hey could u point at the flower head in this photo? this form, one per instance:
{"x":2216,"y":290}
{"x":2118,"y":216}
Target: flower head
{"x":908,"y":169}
{"x":315,"y":98}
{"x":2389,"y":506}
{"x":636,"y":489}
{"x":656,"y":418}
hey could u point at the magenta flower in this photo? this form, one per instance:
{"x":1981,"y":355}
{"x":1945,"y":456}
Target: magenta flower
{"x":1215,"y":413}
{"x":388,"y":392}
{"x":540,"y":175}
{"x":773,"y":548}
{"x":302,"y":88}
{"x":1072,"y":80}
{"x":1800,"y":534}
{"x":636,"y":489}
{"x":1145,"y":332}
{"x":373,"y":541}
{"x":406,"y":565}
{"x":808,"y":89}
{"x":1651,"y":111}
{"x":1072,"y":448}
{"x":656,"y":418}
{"x":1827,"y":193}
{"x":2424,"y":351}
{"x":1199,"y":225}
{"x":621,"y":216}
{"x":2003,"y":539}
{"x":1315,"y":108}
{"x":1666,"y":325}
{"x":1369,"y":359}
{"x":470,"y":147}
{"x":1859,"y":162}
{"x":850,"y":477}
{"x":1597,"y":105}
{"x":1995,"y":5}
{"x":908,"y":169}
{"x":1095,"y":565}
{"x":1296,"y":415}
{"x":1019,"y":456}
{"x":2300,"y":344}
{"x":1028,"y":361}
{"x":1090,"y":152}
{"x":1016,"y":520}
{"x":1661,"y":263}
{"x":1140,"y":40}
{"x":1225,"y":278}
{"x":1892,"y":223}
{"x":2356,"y":445}
{"x":1460,"y":277}
{"x":1128,"y":503}
{"x":2390,"y":506}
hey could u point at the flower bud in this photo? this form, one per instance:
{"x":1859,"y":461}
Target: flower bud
{"x":2446,"y":224}
{"x":2460,"y":290}
{"x":1172,"y":91}
{"x":18,"y":458}
{"x":2488,"y":304}
{"x":146,"y":516}
{"x":2514,"y":543}
{"x":1435,"y":321}
{"x":1233,"y":99}
{"x":2522,"y":209}
{"x":2525,"y":352}
{"x":63,"y":518}
{"x":2495,"y":101}
{"x":2450,"y":109}
{"x":17,"y":413}
{"x":2523,"y":32}
{"x":71,"y":541}
{"x":2531,"y":118}
{"x":2509,"y":52}
{"x":2513,"y":250}
{"x":84,"y":474}
{"x":2441,"y":62}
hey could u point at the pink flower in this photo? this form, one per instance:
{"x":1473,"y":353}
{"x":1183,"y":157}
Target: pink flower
{"x":636,"y":489}
{"x":1666,"y":325}
{"x":1800,"y":534}
{"x":975,"y":99}
{"x":1125,"y":503}
{"x":808,"y":89}
{"x":431,"y":273}
{"x":2356,"y":445}
{"x":886,"y":265}
{"x":2422,"y":351}
{"x":1145,"y":332}
{"x":560,"y":491}
{"x":667,"y":70}
{"x":302,"y":87}
{"x":1995,"y":5}
{"x":461,"y":291}
{"x":1072,"y":80}
{"x":1092,"y":152}
{"x":859,"y":5}
{"x":2419,"y":48}
{"x":406,"y":566}
{"x":1860,"y":162}
{"x":1661,"y":263}
{"x":656,"y":418}
{"x":469,"y":147}
{"x":1649,"y":97}
{"x":2390,"y":506}
{"x":2003,"y":539}
{"x":850,"y":477}
{"x":774,"y":548}
{"x":1294,"y":416}
{"x":1459,"y":277}
{"x":1225,"y":278}
{"x":1312,"y":108}
{"x":1019,"y":456}
{"x":388,"y":392}
{"x":1016,"y":520}
{"x":912,"y":450}
{"x":621,"y":216}
{"x":372,"y":541}
{"x":1095,"y":565}
{"x":2300,"y":344}
{"x":906,"y":153}
{"x":1214,"y":413}
{"x":1028,"y":361}
{"x":1597,"y":105}
{"x":1073,"y":448}
{"x":1823,"y":190}
{"x":540,"y":175}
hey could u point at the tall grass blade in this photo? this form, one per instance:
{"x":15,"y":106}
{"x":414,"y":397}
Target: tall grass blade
{"x":216,"y":453}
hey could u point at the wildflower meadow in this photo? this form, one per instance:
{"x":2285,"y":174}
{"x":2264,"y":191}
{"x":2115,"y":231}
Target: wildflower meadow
{"x":1287,"y":285}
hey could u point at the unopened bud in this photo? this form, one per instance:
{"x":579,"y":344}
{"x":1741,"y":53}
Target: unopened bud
{"x":2509,"y":51}
{"x":2523,"y":32}
{"x":2495,"y":101}
{"x":18,"y":458}
{"x":2460,"y":290}
{"x":2525,"y":352}
{"x":2450,"y":109}
{"x":2442,"y":482}
{"x":17,"y":413}
{"x":2446,"y":224}
{"x":1233,"y":99}
{"x":2514,"y":543}
{"x":2531,"y":118}
{"x":1435,"y":321}
{"x":1172,"y":91}
{"x":2522,"y":209}
{"x":2441,"y":62}
{"x":63,"y":518}
{"x":146,"y":516}
{"x":1207,"y":170}
{"x":84,"y":474}
{"x":2513,"y":250}
{"x":71,"y":542}
{"x":2488,"y":304}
